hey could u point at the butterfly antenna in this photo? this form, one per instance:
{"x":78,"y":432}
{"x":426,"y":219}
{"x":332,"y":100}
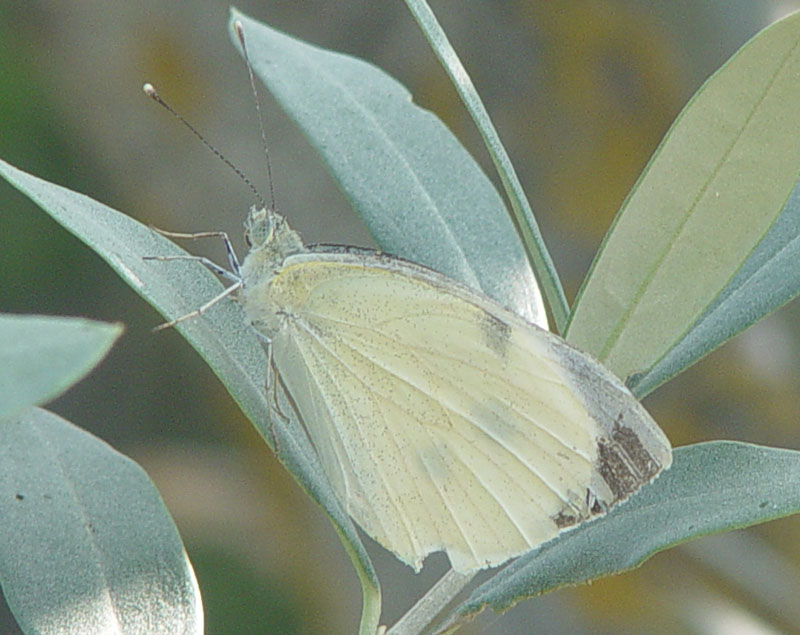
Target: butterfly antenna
{"x":237,"y":26}
{"x":150,"y":91}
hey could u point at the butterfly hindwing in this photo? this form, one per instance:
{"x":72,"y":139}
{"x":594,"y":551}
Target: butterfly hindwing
{"x":445,"y":421}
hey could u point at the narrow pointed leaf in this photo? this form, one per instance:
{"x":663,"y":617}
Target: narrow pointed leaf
{"x":710,"y":488}
{"x":174,"y":288}
{"x":220,"y":335}
{"x":528,"y":227}
{"x":769,"y":278}
{"x":710,"y":193}
{"x":86,"y":543}
{"x":42,"y":356}
{"x":419,"y":191}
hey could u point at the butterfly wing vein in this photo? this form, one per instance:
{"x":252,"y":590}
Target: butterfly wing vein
{"x":441,"y":425}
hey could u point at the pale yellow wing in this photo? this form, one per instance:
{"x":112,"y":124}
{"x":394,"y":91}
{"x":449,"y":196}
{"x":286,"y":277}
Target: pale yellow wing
{"x":444,"y":421}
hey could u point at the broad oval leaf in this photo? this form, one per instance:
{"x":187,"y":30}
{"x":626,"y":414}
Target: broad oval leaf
{"x":768,"y":279}
{"x":220,"y":335}
{"x":710,"y":488}
{"x":421,"y":194}
{"x":86,"y":543}
{"x":710,"y":193}
{"x":42,"y":356}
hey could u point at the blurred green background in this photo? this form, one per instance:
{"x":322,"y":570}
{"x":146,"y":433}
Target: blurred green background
{"x":581,"y":92}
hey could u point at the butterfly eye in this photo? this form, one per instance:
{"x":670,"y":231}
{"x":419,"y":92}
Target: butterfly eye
{"x":259,"y":228}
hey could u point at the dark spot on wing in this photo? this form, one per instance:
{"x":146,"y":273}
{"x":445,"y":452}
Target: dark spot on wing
{"x":564,"y":520}
{"x":496,"y":332}
{"x":624,"y":462}
{"x":573,"y":514}
{"x":597,"y":507}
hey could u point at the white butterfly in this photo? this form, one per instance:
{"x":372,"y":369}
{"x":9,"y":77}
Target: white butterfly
{"x":443,"y":420}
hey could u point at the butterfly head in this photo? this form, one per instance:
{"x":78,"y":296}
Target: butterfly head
{"x":259,"y":228}
{"x":266,"y":229}
{"x":270,"y":240}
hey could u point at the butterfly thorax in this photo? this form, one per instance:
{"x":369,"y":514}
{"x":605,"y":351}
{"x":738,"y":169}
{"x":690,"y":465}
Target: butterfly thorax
{"x":271,"y":241}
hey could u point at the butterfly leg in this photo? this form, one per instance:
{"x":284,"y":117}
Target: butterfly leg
{"x":202,"y":309}
{"x":274,"y":406}
{"x":277,"y":416}
{"x":233,"y":275}
{"x":208,"y":264}
{"x":233,"y":261}
{"x":271,"y":385}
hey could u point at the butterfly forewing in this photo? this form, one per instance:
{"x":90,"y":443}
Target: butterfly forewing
{"x":444,"y":421}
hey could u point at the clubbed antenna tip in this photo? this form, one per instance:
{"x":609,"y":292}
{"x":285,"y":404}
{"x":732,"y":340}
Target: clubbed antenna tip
{"x":151,"y":92}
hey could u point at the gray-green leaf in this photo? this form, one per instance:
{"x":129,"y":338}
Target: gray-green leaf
{"x":220,"y":335}
{"x":769,"y":278}
{"x":419,"y":191}
{"x":86,"y":543}
{"x":41,"y":356}
{"x":710,"y":193}
{"x":710,"y":488}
